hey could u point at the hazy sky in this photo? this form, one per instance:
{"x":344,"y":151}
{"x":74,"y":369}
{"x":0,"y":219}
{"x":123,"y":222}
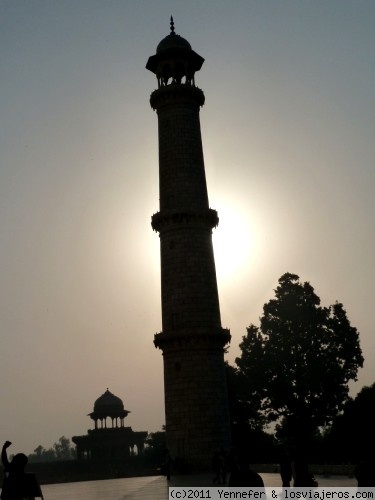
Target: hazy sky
{"x":289,"y":141}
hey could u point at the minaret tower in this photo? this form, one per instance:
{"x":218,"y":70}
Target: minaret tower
{"x":192,"y":340}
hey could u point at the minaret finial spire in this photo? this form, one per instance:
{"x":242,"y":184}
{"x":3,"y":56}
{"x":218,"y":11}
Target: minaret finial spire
{"x":172,"y":25}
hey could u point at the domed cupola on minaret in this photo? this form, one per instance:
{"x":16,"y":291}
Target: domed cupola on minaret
{"x":174,"y":61}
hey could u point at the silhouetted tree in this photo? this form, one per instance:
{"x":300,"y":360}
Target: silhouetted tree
{"x":299,"y":361}
{"x":244,"y":411}
{"x":155,"y":444}
{"x":61,"y":450}
{"x":247,"y":421}
{"x":352,"y":433}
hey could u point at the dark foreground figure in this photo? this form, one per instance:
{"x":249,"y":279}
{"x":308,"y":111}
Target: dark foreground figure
{"x":301,"y":473}
{"x":365,"y":474}
{"x":285,"y":467}
{"x":17,"y":484}
{"x":241,"y":474}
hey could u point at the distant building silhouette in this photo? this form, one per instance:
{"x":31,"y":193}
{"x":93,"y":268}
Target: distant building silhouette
{"x":192,"y":340}
{"x":110,"y":440}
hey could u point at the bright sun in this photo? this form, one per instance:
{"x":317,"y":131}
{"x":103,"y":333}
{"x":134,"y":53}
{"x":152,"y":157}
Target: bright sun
{"x":232,"y":241}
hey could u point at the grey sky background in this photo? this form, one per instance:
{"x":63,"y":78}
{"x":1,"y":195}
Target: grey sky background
{"x":288,"y":134}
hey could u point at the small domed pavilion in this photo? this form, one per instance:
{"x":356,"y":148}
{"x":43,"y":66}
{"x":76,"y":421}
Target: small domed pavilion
{"x":110,"y":439}
{"x":108,"y":406}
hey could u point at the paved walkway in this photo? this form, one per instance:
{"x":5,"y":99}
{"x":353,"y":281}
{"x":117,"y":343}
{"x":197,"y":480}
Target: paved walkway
{"x":157,"y":488}
{"x":153,"y":487}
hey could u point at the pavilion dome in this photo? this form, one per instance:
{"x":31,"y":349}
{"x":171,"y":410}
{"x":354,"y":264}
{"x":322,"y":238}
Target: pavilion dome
{"x":108,"y":405}
{"x":173,"y":41}
{"x":108,"y":401}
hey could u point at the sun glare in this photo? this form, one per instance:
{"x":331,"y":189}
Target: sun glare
{"x":232,"y":241}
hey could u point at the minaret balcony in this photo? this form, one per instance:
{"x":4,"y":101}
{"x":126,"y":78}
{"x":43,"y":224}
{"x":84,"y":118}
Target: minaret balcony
{"x":202,"y":338}
{"x":167,"y":220}
{"x":176,"y":93}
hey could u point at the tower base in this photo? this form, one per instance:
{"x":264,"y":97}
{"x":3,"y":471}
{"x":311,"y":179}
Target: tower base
{"x":196,"y":399}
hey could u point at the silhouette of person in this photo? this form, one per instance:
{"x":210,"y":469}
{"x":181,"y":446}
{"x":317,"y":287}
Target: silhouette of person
{"x":224,"y":465}
{"x":167,"y":464}
{"x":300,"y":469}
{"x":285,"y":467}
{"x":242,"y":475}
{"x":14,"y":483}
{"x":217,"y":467}
{"x":365,"y":474}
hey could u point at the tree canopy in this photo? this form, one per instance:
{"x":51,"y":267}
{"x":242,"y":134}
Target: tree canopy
{"x":61,"y":450}
{"x":299,"y":362}
{"x":352,"y":435}
{"x":156,"y":443}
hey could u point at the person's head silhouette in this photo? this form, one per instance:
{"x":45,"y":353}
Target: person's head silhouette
{"x":19,"y":461}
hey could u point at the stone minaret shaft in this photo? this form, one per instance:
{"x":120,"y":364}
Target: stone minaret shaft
{"x":192,"y":340}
